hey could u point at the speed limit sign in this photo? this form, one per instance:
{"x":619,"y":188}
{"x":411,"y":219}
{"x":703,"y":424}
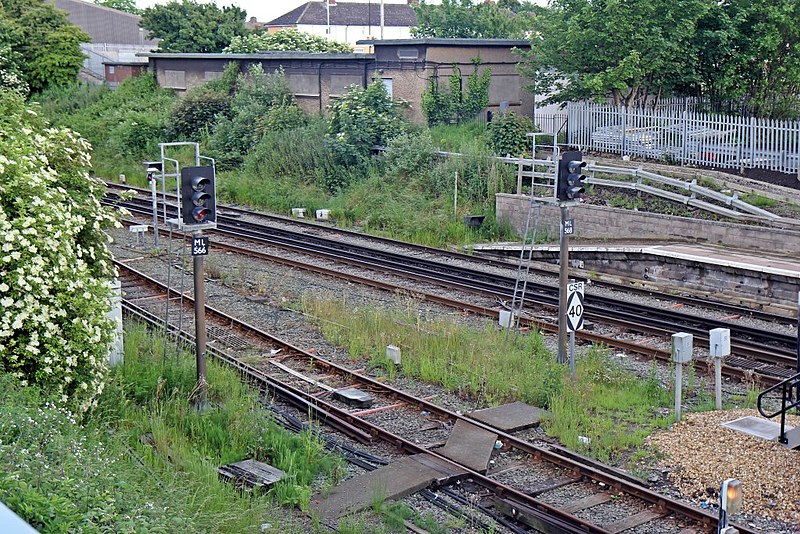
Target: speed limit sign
{"x":574,"y":306}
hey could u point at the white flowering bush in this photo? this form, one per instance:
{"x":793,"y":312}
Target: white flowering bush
{"x":54,"y":262}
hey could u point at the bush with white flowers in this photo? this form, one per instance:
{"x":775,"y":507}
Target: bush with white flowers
{"x":54,"y":260}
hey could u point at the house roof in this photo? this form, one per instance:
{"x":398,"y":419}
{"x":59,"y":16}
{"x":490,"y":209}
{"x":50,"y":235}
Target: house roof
{"x":348,"y":14}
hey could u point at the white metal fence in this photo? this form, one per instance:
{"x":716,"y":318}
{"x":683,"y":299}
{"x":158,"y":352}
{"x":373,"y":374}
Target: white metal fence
{"x":686,"y":137}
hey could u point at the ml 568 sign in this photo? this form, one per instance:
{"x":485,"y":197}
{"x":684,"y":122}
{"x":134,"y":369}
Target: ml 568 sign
{"x":574,"y":306}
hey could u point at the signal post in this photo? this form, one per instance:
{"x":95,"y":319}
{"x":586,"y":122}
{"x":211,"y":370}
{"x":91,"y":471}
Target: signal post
{"x":198,"y":212}
{"x":569,"y":188}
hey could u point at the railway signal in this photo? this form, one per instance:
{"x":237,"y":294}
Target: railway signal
{"x":570,"y":176}
{"x":198,"y":195}
{"x":730,"y":501}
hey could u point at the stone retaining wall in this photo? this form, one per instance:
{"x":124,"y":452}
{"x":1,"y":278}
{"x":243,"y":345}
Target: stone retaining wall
{"x":601,"y":222}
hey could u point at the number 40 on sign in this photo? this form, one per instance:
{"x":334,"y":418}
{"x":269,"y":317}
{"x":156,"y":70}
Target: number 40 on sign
{"x":574,"y":306}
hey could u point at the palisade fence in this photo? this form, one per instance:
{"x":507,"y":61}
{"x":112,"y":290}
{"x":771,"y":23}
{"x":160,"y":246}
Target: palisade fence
{"x":686,"y":137}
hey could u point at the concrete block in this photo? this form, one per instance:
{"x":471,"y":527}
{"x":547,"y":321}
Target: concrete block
{"x":323,"y":215}
{"x":393,"y":353}
{"x":300,"y":213}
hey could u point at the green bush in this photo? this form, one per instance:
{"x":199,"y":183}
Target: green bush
{"x":263,"y":103}
{"x":289,"y":39}
{"x":362,"y":119}
{"x":198,"y":112}
{"x":507,"y":134}
{"x":410,"y":153}
{"x":54,"y":264}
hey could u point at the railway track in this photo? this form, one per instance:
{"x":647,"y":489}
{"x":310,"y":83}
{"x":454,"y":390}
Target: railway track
{"x":566,"y":492}
{"x":761,"y":355}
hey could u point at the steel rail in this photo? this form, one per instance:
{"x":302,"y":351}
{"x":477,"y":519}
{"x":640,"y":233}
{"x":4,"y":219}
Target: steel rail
{"x":494,"y":262}
{"x":554,"y":455}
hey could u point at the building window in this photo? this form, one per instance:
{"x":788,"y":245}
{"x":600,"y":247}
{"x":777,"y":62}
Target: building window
{"x":387,"y":83}
{"x":407,"y":53}
{"x":111,"y":69}
{"x":175,"y":79}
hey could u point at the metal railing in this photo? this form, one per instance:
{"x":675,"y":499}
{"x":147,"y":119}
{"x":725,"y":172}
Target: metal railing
{"x":687,"y":137}
{"x":789,"y":400}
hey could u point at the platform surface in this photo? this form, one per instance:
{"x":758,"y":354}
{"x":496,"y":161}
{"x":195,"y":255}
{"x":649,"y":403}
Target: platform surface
{"x":509,"y":417}
{"x":469,"y":445}
{"x":394,"y":481}
{"x":782,"y":265}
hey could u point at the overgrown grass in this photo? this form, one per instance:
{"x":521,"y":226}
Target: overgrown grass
{"x":146,"y":461}
{"x":614,"y":409}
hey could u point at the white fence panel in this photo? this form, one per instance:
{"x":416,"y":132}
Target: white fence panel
{"x":686,"y":137}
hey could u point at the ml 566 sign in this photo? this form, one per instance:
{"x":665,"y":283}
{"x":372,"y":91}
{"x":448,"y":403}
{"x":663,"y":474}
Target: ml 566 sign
{"x":574,"y":306}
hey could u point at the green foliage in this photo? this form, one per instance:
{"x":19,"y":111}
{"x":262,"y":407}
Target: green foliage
{"x":740,"y":50}
{"x":263,"y":103}
{"x":12,"y":77}
{"x":146,"y":461}
{"x":42,"y":44}
{"x":463,"y":18}
{"x":128,"y":122}
{"x":197,"y":112}
{"x":624,"y":50}
{"x":54,"y":264}
{"x":362,"y":119}
{"x":457,"y":105}
{"x":129,"y":6}
{"x":189,"y":26}
{"x":410,"y":153}
{"x":508,"y":134}
{"x":288,"y":39}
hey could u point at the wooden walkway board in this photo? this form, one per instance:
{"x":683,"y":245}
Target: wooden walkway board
{"x":509,"y":417}
{"x":251,"y":473}
{"x":469,"y":445}
{"x":394,"y":481}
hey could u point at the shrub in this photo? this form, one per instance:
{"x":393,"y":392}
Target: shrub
{"x":410,"y":153}
{"x":263,"y":103}
{"x":456,"y":105}
{"x":54,"y":263}
{"x":508,"y":134}
{"x":362,"y":119}
{"x":198,"y":111}
{"x":289,"y":39}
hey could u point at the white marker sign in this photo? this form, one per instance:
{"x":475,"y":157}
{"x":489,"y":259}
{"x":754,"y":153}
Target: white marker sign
{"x":574,"y":306}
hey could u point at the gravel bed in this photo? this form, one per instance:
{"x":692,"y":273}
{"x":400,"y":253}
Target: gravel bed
{"x":267,"y":309}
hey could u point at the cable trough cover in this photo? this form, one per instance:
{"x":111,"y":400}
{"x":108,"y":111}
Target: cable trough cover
{"x":250,"y":474}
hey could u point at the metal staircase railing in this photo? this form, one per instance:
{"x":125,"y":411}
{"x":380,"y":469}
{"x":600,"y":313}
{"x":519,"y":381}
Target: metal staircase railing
{"x":789,"y":399}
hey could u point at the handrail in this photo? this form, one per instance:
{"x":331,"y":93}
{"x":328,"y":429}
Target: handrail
{"x":786,"y":395}
{"x":783,"y":385}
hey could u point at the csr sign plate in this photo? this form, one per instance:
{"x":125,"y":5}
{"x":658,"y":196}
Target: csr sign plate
{"x":574,"y":306}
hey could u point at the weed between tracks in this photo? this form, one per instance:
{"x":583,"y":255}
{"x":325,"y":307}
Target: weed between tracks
{"x":612,"y":407}
{"x":146,"y":461}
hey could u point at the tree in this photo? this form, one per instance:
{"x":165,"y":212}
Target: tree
{"x":763,"y":65}
{"x":584,"y":49}
{"x":191,"y":27}
{"x":462,"y":18}
{"x":54,"y":263}
{"x":41,"y":43}
{"x":288,"y":39}
{"x":129,"y":6}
